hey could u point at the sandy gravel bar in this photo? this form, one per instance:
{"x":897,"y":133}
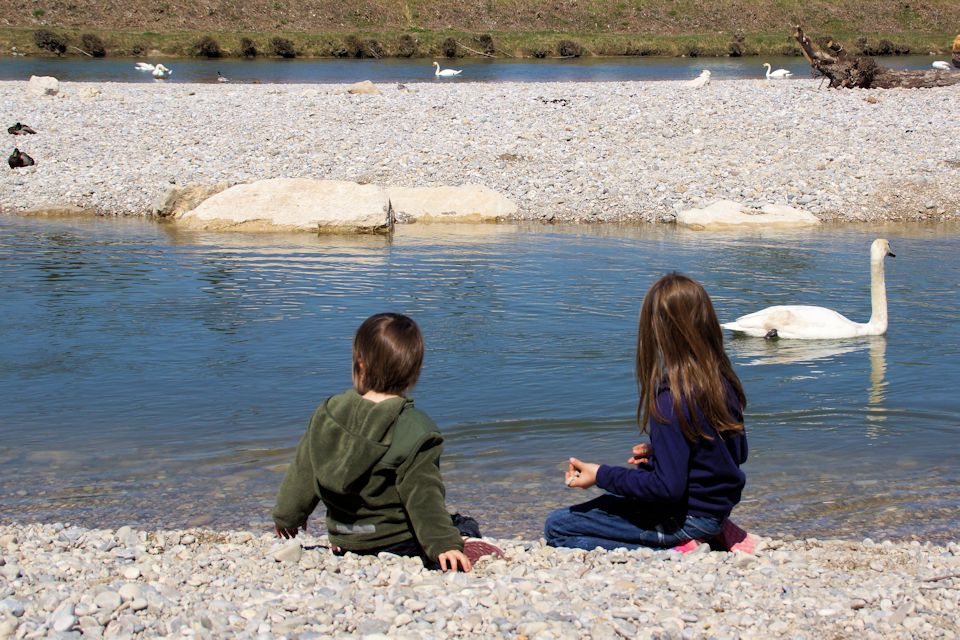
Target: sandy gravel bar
{"x":62,"y":581}
{"x":604,"y":151}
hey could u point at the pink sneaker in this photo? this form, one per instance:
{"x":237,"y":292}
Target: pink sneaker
{"x":733,"y":538}
{"x":687,"y":546}
{"x":474,"y":548}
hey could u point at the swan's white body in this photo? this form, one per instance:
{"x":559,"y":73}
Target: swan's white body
{"x":943,"y":66}
{"x":161,"y":71}
{"x":803,"y":322}
{"x":445,"y":73}
{"x":144,"y":66}
{"x":699,"y":81}
{"x":779,"y":74}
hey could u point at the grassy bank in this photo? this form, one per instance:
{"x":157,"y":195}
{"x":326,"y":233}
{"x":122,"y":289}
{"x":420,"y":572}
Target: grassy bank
{"x":421,"y":43}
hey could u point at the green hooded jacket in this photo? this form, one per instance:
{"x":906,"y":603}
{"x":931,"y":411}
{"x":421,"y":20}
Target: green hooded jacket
{"x":376,"y":466}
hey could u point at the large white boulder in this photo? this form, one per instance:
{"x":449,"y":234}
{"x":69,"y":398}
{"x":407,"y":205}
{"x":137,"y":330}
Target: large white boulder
{"x":288,"y":204}
{"x":725,"y":214}
{"x":468,"y":203}
{"x":43,"y":86}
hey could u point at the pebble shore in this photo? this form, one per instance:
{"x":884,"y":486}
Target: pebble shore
{"x":564,"y":152}
{"x":64,"y":581}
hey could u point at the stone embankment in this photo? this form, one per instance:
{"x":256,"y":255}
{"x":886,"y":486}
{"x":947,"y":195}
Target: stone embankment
{"x":63,"y":581}
{"x":589,"y":152}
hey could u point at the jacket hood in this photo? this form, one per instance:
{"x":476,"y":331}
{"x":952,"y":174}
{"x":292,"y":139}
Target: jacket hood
{"x":351,"y":435}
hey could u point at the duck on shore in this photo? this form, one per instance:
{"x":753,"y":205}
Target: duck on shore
{"x":18,"y":159}
{"x":20,"y":129}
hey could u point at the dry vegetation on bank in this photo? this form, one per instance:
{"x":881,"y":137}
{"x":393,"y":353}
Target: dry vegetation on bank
{"x":419,"y":28}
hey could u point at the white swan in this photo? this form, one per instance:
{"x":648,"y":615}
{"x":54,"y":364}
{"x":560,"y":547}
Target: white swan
{"x":699,"y":81}
{"x":161,"y":72}
{"x":143,"y":66}
{"x":779,"y":74}
{"x":819,"y":323}
{"x":446,"y":73}
{"x":940,"y":64}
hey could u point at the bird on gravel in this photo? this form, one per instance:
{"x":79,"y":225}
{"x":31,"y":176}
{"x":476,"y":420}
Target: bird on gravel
{"x":20,"y":130}
{"x":699,"y":81}
{"x":18,"y":159}
{"x":941,"y":65}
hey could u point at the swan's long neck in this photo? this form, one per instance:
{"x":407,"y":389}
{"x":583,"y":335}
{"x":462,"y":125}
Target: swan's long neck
{"x":768,"y":68}
{"x":878,"y":298}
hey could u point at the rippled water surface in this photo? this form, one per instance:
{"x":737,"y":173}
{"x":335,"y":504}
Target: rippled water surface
{"x":162,"y":378}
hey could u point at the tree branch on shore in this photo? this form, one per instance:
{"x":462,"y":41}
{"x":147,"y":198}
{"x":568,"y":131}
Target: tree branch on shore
{"x":847,"y":71}
{"x":479,"y":53}
{"x":943,"y":577}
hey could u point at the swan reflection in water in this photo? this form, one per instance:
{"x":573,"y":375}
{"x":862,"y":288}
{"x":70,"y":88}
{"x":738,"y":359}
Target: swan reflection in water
{"x":752,"y":352}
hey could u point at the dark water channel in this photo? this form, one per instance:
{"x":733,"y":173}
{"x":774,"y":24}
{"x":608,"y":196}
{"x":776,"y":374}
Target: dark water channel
{"x":418,"y":70}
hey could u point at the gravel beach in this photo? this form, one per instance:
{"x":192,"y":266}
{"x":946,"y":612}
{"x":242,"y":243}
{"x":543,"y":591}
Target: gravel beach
{"x":584,"y":152}
{"x":63,"y":581}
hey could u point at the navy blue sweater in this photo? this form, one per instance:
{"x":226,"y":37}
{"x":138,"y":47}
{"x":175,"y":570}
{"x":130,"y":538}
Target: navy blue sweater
{"x":702,"y":478}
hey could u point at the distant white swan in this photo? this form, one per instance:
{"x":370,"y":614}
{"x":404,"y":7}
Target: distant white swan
{"x":779,"y":74}
{"x":699,"y":81}
{"x":446,"y":73}
{"x":943,"y":66}
{"x":161,"y":72}
{"x":143,"y":66}
{"x":819,"y":323}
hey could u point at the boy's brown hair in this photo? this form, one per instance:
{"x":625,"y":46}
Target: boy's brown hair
{"x":680,"y":343}
{"x":387,"y":354}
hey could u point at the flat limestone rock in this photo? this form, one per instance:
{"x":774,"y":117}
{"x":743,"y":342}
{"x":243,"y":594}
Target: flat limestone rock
{"x":58,"y":211}
{"x":295,"y":204}
{"x":43,"y":86}
{"x":726,"y":214}
{"x":467,"y":203}
{"x":176,"y":201}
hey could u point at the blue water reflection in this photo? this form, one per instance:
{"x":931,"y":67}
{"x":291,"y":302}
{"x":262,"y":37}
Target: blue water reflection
{"x":175,"y":370}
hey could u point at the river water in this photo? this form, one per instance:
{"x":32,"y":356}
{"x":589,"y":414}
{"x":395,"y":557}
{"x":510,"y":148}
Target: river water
{"x":419,"y":70}
{"x":161,"y":378}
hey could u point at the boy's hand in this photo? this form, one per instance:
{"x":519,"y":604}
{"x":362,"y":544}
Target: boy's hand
{"x":641,"y":454}
{"x":289,"y":532}
{"x":581,"y":474}
{"x":449,"y":560}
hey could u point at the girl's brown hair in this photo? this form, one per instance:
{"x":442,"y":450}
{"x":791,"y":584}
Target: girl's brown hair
{"x":680,"y":343}
{"x":387,"y":354}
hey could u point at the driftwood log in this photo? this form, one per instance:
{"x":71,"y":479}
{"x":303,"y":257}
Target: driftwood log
{"x":847,"y":71}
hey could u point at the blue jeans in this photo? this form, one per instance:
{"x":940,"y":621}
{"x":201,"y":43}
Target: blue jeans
{"x":614,"y":522}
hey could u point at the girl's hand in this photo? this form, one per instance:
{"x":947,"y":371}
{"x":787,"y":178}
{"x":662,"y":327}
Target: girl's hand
{"x":641,"y":454}
{"x":449,"y":560}
{"x":581,"y":474}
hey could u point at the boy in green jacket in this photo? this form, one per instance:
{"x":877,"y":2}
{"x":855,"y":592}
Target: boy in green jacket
{"x":374,"y":459}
